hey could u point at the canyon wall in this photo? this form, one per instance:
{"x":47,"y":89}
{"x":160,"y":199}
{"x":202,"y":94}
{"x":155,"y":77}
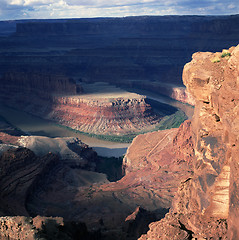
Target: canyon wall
{"x":20,"y":170}
{"x":117,"y":116}
{"x":61,"y":99}
{"x":38,"y":83}
{"x":206,"y":205}
{"x":192,"y":169}
{"x":140,"y":52}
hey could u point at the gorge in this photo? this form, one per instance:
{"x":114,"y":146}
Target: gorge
{"x":173,"y":183}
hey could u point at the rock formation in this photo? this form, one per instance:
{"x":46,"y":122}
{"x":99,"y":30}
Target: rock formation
{"x":39,"y":83}
{"x":43,"y":228}
{"x":142,"y":52}
{"x":60,"y":99}
{"x":71,"y":151}
{"x":20,"y":169}
{"x":103,"y":115}
{"x":206,"y":205}
{"x":201,"y":156}
{"x":87,"y":196}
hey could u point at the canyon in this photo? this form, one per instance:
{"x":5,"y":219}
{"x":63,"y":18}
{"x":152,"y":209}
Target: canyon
{"x":67,"y":189}
{"x":45,"y":65}
{"x":145,"y":52}
{"x":98,"y":109}
{"x":176,"y":183}
{"x":191,"y":170}
{"x":206,"y":205}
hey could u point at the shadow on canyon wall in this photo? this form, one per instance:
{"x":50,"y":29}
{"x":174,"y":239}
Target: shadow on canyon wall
{"x":129,"y":51}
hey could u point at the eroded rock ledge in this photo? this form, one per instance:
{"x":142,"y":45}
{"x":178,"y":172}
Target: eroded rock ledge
{"x":62,"y":100}
{"x":206,"y":205}
{"x":104,"y":115}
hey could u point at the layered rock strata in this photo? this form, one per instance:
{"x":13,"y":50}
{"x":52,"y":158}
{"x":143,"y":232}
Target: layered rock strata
{"x":207,"y":203}
{"x":38,"y":83}
{"x":20,"y":170}
{"x":71,"y":192}
{"x":99,"y":115}
{"x":61,"y":99}
{"x":105,"y":206}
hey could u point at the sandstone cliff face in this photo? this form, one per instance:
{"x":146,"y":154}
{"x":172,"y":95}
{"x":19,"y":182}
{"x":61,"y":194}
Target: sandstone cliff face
{"x":60,"y":99}
{"x":115,"y":116}
{"x":207,"y":203}
{"x":181,"y":94}
{"x":33,"y":83}
{"x":20,"y":169}
{"x":116,"y":49}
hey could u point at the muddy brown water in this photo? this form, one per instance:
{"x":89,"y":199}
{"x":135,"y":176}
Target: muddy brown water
{"x":41,"y":127}
{"x":33,"y":125}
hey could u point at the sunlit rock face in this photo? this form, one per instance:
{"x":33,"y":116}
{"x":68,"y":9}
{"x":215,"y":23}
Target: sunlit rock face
{"x":207,"y":204}
{"x":125,"y":114}
{"x":61,"y":99}
{"x":213,"y":80}
{"x":181,"y":94}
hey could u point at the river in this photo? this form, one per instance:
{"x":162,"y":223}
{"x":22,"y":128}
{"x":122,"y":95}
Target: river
{"x":37,"y":126}
{"x":186,"y":108}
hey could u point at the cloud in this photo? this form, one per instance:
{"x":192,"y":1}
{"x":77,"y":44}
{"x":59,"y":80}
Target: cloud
{"x":18,"y":9}
{"x":30,"y":2}
{"x":231,"y":6}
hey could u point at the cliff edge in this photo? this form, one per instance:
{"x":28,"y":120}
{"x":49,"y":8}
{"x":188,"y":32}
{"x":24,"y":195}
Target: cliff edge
{"x":206,"y":205}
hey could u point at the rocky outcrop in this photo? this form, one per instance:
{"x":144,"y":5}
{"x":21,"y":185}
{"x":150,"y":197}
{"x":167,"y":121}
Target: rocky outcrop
{"x":24,"y":175}
{"x":100,"y":112}
{"x":71,"y":151}
{"x":99,"y":115}
{"x":38,"y":83}
{"x":206,"y":205}
{"x":181,"y":94}
{"x":27,"y":228}
{"x":20,"y":169}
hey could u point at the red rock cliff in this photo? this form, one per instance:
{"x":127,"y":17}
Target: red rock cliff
{"x":120,"y":115}
{"x":32,"y":83}
{"x":58,"y":98}
{"x":207,"y":205}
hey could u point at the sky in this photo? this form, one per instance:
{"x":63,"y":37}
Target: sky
{"x":46,"y":9}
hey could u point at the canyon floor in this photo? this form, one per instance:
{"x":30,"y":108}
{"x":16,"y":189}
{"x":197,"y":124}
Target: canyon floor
{"x":66,"y":82}
{"x":68,"y":186}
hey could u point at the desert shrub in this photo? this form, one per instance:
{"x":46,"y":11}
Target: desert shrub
{"x":225,"y":54}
